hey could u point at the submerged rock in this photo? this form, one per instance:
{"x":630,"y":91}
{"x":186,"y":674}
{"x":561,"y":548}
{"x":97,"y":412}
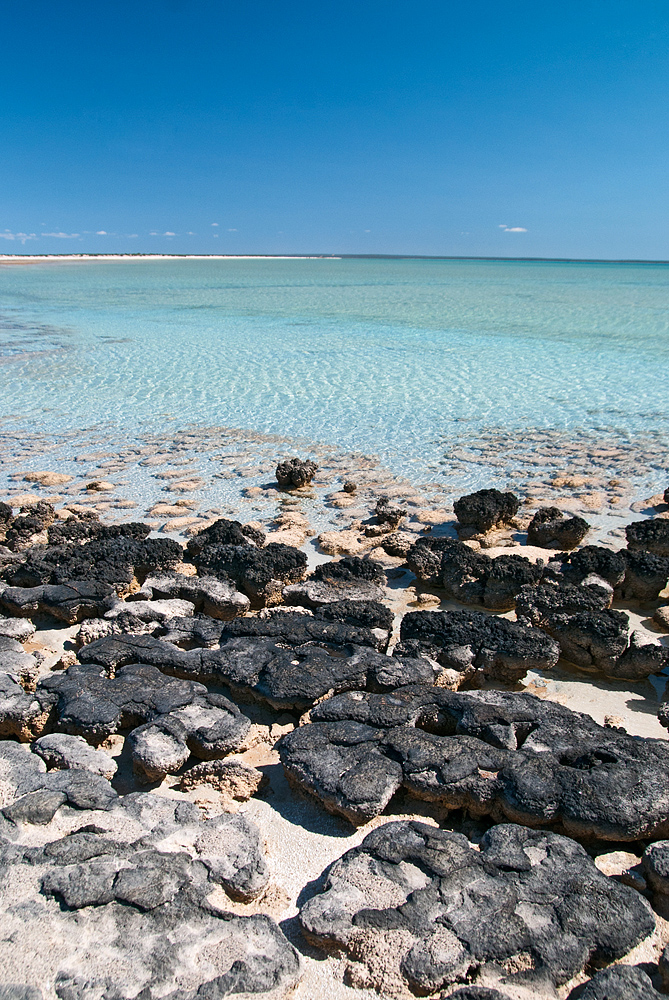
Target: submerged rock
{"x":551,"y":529}
{"x":438,"y":910}
{"x":513,"y":757}
{"x":486,"y":509}
{"x":469,"y":641}
{"x":293,"y":473}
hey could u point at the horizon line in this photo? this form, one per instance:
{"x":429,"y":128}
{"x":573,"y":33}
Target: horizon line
{"x":9,"y":258}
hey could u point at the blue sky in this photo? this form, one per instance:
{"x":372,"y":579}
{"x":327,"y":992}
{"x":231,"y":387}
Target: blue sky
{"x":376,"y":126}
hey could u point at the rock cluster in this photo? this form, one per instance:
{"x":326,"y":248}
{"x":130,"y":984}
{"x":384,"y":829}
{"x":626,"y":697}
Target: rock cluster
{"x":510,"y":756}
{"x":294,"y":473}
{"x":551,"y":529}
{"x":486,"y":509}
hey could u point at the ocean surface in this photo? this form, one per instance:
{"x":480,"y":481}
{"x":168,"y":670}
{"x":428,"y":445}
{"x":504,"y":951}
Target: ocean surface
{"x":409,"y":360}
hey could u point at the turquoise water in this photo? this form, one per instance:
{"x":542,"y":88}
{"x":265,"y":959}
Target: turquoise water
{"x":392,"y":357}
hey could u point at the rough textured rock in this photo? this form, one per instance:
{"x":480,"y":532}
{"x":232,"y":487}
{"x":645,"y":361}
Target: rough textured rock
{"x":235,"y":780}
{"x":645,"y":576}
{"x":152,"y":611}
{"x":620,"y":982}
{"x":389,"y":513}
{"x":651,"y":535}
{"x":292,"y":628}
{"x":591,"y":560}
{"x":260,"y":670}
{"x":590,"y":636}
{"x":365,"y":614}
{"x":61,"y":751}
{"x":124,"y":904}
{"x":486,"y":509}
{"x":551,"y":529}
{"x":174,"y":717}
{"x":436,"y":909}
{"x":214,"y":597}
{"x":30,"y":526}
{"x":469,"y":641}
{"x":23,"y":715}
{"x":69,"y":602}
{"x":316,"y":593}
{"x":260,"y":573}
{"x":510,"y":756}
{"x":16,"y":628}
{"x":16,"y":662}
{"x":88,"y":526}
{"x":124,"y":623}
{"x":350,"y":569}
{"x":294,"y":473}
{"x":225,"y":532}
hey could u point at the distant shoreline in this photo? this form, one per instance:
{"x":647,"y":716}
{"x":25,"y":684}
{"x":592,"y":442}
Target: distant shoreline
{"x":78,"y":257}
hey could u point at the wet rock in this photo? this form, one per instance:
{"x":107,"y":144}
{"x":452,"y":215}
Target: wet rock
{"x":175,"y":717}
{"x":652,"y":535}
{"x":213,"y":597}
{"x":439,"y":910}
{"x":69,"y":602}
{"x":111,"y":897}
{"x":225,"y":532}
{"x":16,"y":628}
{"x":349,"y":486}
{"x":551,"y":529}
{"x":63,"y":752}
{"x":469,"y":641}
{"x":293,"y":676}
{"x":513,"y":757}
{"x":620,"y":982}
{"x":15,"y":661}
{"x":645,"y":576}
{"x":294,"y":473}
{"x":388,"y":512}
{"x":260,"y":573}
{"x":486,"y":509}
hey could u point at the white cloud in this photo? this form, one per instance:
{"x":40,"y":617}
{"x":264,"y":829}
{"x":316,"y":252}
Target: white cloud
{"x":133,"y":236}
{"x":153,"y":234}
{"x":190,"y":234}
{"x":232,"y":230}
{"x":169,"y":234}
{"x":20,"y":237}
{"x":214,"y":223}
{"x":502,"y":225}
{"x":101,"y":232}
{"x":62,"y":236}
{"x":515,"y":229}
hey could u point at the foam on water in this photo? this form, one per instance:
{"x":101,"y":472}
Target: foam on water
{"x":402,"y":359}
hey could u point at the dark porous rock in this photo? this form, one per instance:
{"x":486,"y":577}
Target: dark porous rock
{"x":16,"y":662}
{"x":61,"y":751}
{"x":116,"y":561}
{"x":294,"y":473}
{"x":655,"y":867}
{"x":464,"y":573}
{"x":620,"y":982}
{"x":364,"y":614}
{"x":350,"y":569}
{"x":645,"y":576}
{"x":349,"y":486}
{"x":591,"y":561}
{"x":438,"y":910}
{"x":6,"y":513}
{"x":293,"y":676}
{"x":176,"y":717}
{"x":30,"y":526}
{"x":198,"y":631}
{"x":261,"y":573}
{"x":23,"y":715}
{"x":217,"y":598}
{"x":506,"y":577}
{"x":398,"y":543}
{"x":477,"y":993}
{"x":110,"y":912}
{"x":551,"y":529}
{"x":87,"y":526}
{"x":486,"y":509}
{"x":513,"y":757}
{"x":471,"y":641}
{"x":225,"y":532}
{"x":317,"y":593}
{"x":70,"y":602}
{"x":293,"y":628}
{"x":590,"y":636}
{"x":651,"y":535}
{"x":388,"y":512}
{"x":16,"y":628}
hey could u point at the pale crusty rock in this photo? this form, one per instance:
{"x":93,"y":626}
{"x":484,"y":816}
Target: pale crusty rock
{"x":16,"y":628}
{"x":61,"y":751}
{"x":235,"y":780}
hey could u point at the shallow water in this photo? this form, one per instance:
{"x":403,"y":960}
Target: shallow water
{"x":406,"y":360}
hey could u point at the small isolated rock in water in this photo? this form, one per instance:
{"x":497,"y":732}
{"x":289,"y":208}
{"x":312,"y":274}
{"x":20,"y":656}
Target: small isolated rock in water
{"x":294,"y":473}
{"x":551,"y":529}
{"x":388,"y":512}
{"x":438,"y":910}
{"x":64,"y":752}
{"x":486,"y":509}
{"x":235,"y":780}
{"x":349,"y":487}
{"x":100,"y":486}
{"x":48,"y":478}
{"x":651,"y":534}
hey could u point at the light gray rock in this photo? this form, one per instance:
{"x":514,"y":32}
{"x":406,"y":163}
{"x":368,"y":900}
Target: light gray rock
{"x":15,"y":661}
{"x":16,"y":628}
{"x":61,"y":751}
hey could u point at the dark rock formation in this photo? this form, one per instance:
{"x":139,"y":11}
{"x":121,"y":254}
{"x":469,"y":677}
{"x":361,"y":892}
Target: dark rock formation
{"x":294,"y":473}
{"x":63,"y":752}
{"x":589,"y":636}
{"x":591,"y":560}
{"x":285,"y":678}
{"x":551,"y":529}
{"x":437,"y":909}
{"x":510,"y":756}
{"x":217,"y":598}
{"x":645,"y":576}
{"x":319,"y":593}
{"x":363,"y":614}
{"x":620,"y":982}
{"x":350,"y":569}
{"x":225,"y":532}
{"x":179,"y":717}
{"x":349,"y":486}
{"x":29,"y":526}
{"x":486,"y":509}
{"x":388,"y":512}
{"x":260,"y":573}
{"x":651,"y":535}
{"x":87,"y":526}
{"x":23,"y":715}
{"x":16,"y":662}
{"x":469,"y":641}
{"x":70,"y":602}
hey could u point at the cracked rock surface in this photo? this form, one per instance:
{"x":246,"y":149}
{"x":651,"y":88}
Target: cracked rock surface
{"x":420,"y":905}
